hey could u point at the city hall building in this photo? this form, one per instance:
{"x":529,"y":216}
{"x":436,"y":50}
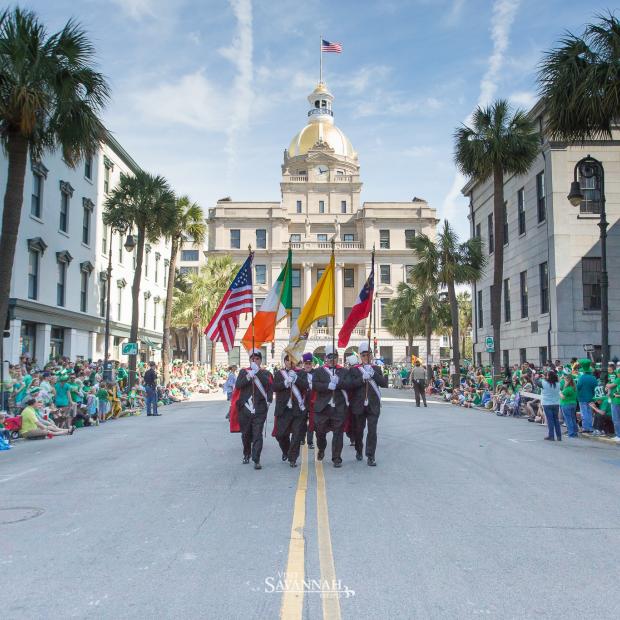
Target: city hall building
{"x":320,"y":201}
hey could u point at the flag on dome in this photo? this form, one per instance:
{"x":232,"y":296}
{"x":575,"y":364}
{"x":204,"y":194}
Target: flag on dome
{"x":360,"y":310}
{"x":331,"y":46}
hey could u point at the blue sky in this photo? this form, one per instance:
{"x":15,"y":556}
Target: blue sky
{"x":209,"y":93}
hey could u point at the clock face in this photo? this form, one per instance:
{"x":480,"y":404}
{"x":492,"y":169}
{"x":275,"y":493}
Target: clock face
{"x":322,"y":169}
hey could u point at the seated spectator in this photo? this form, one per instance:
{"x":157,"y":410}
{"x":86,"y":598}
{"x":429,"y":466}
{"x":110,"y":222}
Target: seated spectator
{"x":33,"y":427}
{"x":603,"y":424}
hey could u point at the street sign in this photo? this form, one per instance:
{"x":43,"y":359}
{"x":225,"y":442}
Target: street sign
{"x":490,"y":344}
{"x":130,"y":348}
{"x":588,"y":348}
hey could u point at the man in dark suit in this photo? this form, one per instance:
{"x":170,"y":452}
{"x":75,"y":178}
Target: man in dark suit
{"x":290,"y":385}
{"x":329,"y":384}
{"x":255,"y":385}
{"x":365,"y":381}
{"x":150,"y":385}
{"x":307,"y":361}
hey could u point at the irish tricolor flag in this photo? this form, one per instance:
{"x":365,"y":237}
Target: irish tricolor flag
{"x":276,"y":306}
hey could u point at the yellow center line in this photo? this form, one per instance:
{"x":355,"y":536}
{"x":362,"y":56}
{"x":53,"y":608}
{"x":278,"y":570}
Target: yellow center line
{"x":292,"y":600}
{"x":330,"y":600}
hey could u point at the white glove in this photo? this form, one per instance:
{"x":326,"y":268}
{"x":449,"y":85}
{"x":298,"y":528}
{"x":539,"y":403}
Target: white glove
{"x":332,"y":385}
{"x":292,"y":375}
{"x":254,"y":367}
{"x":287,"y":383}
{"x":369,"y":369}
{"x":251,"y":374}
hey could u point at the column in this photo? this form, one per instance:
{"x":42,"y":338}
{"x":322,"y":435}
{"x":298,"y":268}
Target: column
{"x":307,"y":281}
{"x":92,"y":345}
{"x":338,"y":285}
{"x":70,"y":344}
{"x":12,"y":349}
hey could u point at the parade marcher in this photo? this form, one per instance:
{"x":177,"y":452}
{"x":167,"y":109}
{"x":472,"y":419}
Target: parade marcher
{"x":290,"y":385}
{"x":418,"y":378}
{"x":307,"y":366}
{"x":365,"y":381}
{"x":255,"y":386}
{"x":329,"y":384}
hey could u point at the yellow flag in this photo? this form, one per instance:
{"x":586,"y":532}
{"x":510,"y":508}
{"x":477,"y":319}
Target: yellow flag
{"x":320,"y":304}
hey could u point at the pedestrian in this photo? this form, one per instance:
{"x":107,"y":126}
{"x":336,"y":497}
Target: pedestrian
{"x":568,"y":404}
{"x":229,"y":386}
{"x":365,"y":380}
{"x":586,"y":384}
{"x":550,"y":398}
{"x":255,"y":385}
{"x":418,"y":378}
{"x":290,"y":385}
{"x":614,"y":395}
{"x":150,"y":385}
{"x":330,"y":384}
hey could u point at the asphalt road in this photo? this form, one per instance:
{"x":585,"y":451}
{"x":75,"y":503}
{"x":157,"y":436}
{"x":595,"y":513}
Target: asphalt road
{"x":467,"y":515}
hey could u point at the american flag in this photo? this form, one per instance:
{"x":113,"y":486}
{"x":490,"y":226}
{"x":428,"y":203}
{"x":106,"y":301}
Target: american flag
{"x":331,"y":46}
{"x":238,"y":299}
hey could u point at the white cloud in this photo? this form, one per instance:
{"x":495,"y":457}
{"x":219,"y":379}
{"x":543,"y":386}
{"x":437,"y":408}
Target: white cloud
{"x":453,"y":15}
{"x":137,"y":9}
{"x":524,"y":99}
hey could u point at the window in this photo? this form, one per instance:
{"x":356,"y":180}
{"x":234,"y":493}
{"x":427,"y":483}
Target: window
{"x":61,"y":283}
{"x":409,"y":238}
{"x":258,"y":302}
{"x":146,"y":302}
{"x":88,"y":167}
{"x":524,"y":299}
{"x":37,"y":195}
{"x":104,"y":240}
{"x":188,"y":270}
{"x":505,"y":358}
{"x":490,"y":233}
{"x":298,"y":206}
{"x":347,"y":311}
{"x":235,"y":238}
{"x":106,"y":178}
{"x":384,"y":239}
{"x":119,"y":304}
{"x":505,"y":223}
{"x":166,"y":266}
{"x":190,"y":255}
{"x":591,"y":202}
{"x":591,"y":281}
{"x":521,"y":210}
{"x":261,"y":239}
{"x":408,"y":272}
{"x":64,"y":211}
{"x":319,"y":274}
{"x":507,"y":300}
{"x":540,"y":196}
{"x":542,"y":356}
{"x":261,"y":274}
{"x":348,"y":237}
{"x":321,"y":238}
{"x":33,"y":274}
{"x":322,"y":322}
{"x":84,"y":275}
{"x":349,"y":277}
{"x":384,"y":274}
{"x":321,"y":206}
{"x":522,"y":356}
{"x":479,"y":309}
{"x":157,"y":259}
{"x":86,"y":222}
{"x":543,"y":270}
{"x":296,"y":278}
{"x":478,"y":359}
{"x":155,"y":311}
{"x":384,"y":309}
{"x":103,"y":294}
{"x":343,"y":206}
{"x":478,"y":231}
{"x":120,"y":255}
{"x":296,"y":238}
{"x":295,"y":313}
{"x":57,"y":342}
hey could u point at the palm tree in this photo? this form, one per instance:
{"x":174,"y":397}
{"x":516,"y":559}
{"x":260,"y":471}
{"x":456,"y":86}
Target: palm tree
{"x":143,"y":202}
{"x":465,"y":321}
{"x":189,"y":223}
{"x":499,"y":142}
{"x":194,"y":308}
{"x":50,"y":97}
{"x":580,"y":82}
{"x":402,"y":319}
{"x":448,"y":263}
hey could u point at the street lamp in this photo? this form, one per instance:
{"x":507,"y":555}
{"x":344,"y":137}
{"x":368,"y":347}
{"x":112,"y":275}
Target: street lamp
{"x":591,"y":168}
{"x":130,"y":244}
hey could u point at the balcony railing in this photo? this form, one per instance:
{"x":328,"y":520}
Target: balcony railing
{"x":320,"y":111}
{"x":299,"y":179}
{"x":325,"y":333}
{"x":334,"y":178}
{"x":325,"y":245}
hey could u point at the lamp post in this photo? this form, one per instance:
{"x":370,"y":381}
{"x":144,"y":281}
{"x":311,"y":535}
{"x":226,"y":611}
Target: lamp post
{"x":589,"y":168}
{"x":130,"y":244}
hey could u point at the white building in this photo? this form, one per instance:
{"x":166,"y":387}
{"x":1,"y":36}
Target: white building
{"x":551,"y":296}
{"x":320,"y":200}
{"x":58,"y":287}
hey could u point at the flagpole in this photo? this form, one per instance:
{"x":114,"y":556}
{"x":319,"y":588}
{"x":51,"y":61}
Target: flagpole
{"x":372,"y":271}
{"x":333,"y":258}
{"x":321,"y":59}
{"x":251,"y":260}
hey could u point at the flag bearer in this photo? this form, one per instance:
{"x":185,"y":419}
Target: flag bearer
{"x":307,"y":366}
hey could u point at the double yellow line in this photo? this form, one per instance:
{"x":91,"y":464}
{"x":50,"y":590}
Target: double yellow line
{"x":293,"y":598}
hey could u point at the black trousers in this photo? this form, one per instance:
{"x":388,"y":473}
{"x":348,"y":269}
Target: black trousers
{"x":252,"y":433}
{"x":324,"y":422}
{"x":365,"y":417}
{"x":290,"y":430}
{"x":309,"y":437}
{"x":419,"y":389}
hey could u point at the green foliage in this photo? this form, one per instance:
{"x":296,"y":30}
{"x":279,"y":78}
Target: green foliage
{"x":580,"y":82}
{"x":188,"y":222}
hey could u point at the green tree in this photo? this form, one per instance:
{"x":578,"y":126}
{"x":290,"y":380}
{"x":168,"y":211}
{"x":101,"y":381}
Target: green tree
{"x":448,"y":262}
{"x":143,"y":202}
{"x":499,"y":142}
{"x":194,"y":308}
{"x":50,"y":97}
{"x":580,"y":82}
{"x":402,"y":319}
{"x":188,"y":224}
{"x":465,"y":323}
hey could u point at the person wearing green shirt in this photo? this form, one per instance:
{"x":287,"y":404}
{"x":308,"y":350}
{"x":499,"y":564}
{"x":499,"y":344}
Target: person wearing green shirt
{"x":104,"y":402}
{"x":33,"y":428}
{"x":568,"y":404}
{"x":614,"y":397}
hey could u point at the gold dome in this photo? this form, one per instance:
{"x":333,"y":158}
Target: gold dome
{"x":326,"y":132}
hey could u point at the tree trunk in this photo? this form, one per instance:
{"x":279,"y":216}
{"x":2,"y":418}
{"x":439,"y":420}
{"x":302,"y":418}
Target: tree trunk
{"x":195,"y":332}
{"x":135,"y":301}
{"x":454,"y":311}
{"x":17,"y":151}
{"x":165,"y":345}
{"x":213,"y":345}
{"x":429,"y":332}
{"x":498,"y":264}
{"x":409,"y":347}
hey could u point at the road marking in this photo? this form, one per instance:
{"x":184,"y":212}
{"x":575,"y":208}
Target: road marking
{"x":7,"y":478}
{"x":391,"y":399}
{"x":330,"y":600}
{"x":293,"y":599}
